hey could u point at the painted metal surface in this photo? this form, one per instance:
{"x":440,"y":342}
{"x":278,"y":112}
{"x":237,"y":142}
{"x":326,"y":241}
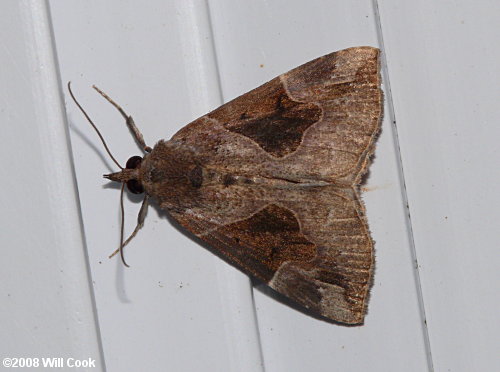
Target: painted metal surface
{"x":178,"y":307}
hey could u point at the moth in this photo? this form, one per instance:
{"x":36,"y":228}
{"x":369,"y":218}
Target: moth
{"x":271,"y":181}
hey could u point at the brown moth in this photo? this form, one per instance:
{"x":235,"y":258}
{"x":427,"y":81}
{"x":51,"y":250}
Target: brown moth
{"x":271,"y":181}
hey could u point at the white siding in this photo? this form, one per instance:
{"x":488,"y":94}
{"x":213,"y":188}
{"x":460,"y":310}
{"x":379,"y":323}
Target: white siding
{"x":179,"y":308}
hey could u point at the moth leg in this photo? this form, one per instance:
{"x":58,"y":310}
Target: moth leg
{"x":141,"y":217}
{"x":128,"y":119}
{"x":137,"y":134}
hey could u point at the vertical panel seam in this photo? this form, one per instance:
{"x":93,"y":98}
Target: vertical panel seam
{"x":221,"y":96}
{"x":404,"y":194}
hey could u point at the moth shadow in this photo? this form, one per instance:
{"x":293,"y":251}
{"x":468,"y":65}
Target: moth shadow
{"x":130,"y":197}
{"x":91,"y":145}
{"x":256,"y":284}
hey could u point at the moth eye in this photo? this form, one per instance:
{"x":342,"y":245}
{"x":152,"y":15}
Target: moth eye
{"x":135,"y":186}
{"x":133,"y":162}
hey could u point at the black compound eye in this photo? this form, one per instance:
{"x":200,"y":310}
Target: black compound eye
{"x":134,"y":162}
{"x":135,"y":187}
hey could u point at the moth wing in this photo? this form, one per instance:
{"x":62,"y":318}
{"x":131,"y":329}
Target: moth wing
{"x":336,"y":282}
{"x":319,"y":256}
{"x":346,"y":85}
{"x":318,"y":121}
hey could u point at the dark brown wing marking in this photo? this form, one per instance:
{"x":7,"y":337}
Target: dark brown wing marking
{"x":274,"y":121}
{"x":261,"y":243}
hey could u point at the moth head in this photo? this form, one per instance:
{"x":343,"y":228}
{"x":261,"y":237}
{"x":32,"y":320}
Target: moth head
{"x":129,"y":175}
